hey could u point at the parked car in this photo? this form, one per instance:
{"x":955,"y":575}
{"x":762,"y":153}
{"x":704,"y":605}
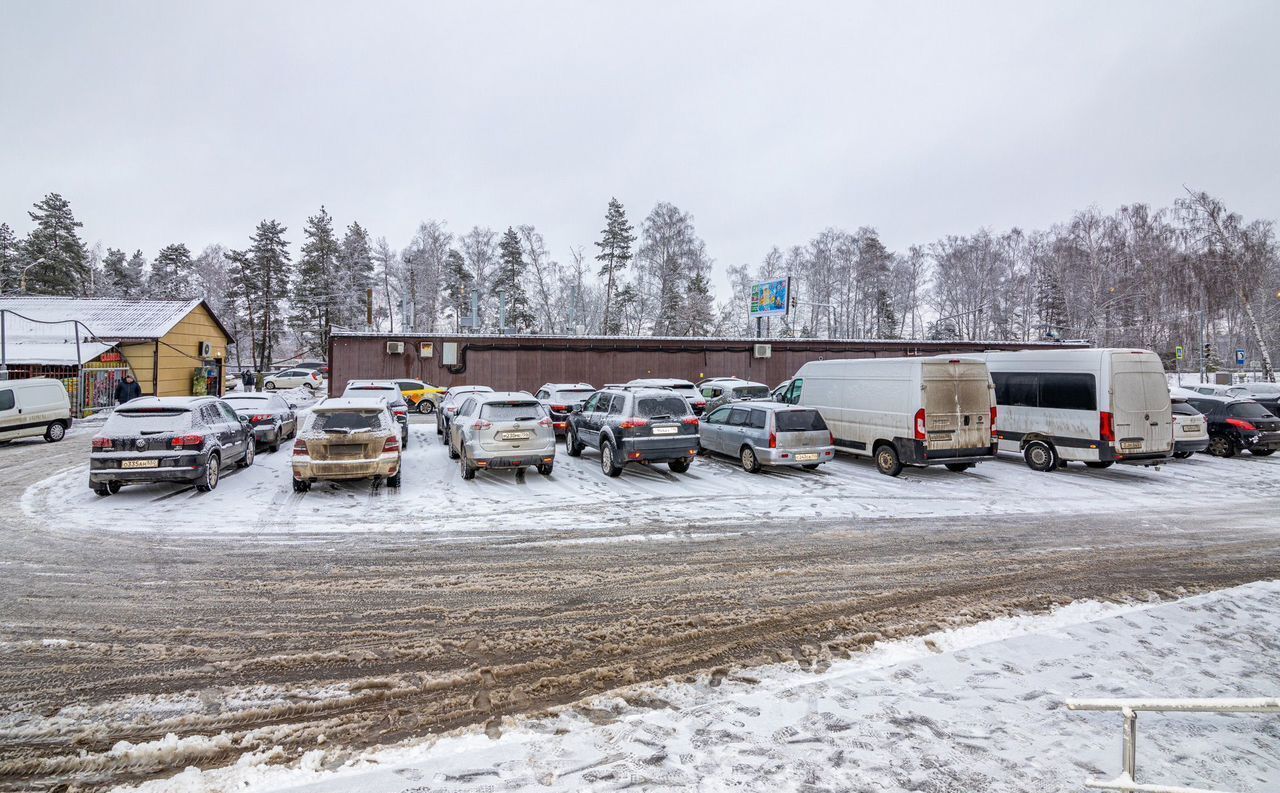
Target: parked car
{"x":684,"y":388}
{"x":1097,"y":406}
{"x":559,"y":399}
{"x":1190,"y":430}
{"x":767,"y":433}
{"x":293,"y":378}
{"x":1265,"y":394}
{"x":272,"y":418}
{"x":1237,"y":425}
{"x":902,"y":411}
{"x":501,"y":429}
{"x":631,"y":424}
{"x":728,"y":390}
{"x":1217,"y":389}
{"x":169,"y":439}
{"x":33,"y":408}
{"x":389,"y":392}
{"x":348,"y":438}
{"x":420,"y":396}
{"x":449,"y":405}
{"x":319,"y":366}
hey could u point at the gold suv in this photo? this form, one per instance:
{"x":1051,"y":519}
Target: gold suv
{"x":348,"y":438}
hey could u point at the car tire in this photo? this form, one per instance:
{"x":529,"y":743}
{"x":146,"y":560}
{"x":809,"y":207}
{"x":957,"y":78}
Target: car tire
{"x":270,"y":386}
{"x":310,"y":386}
{"x":571,"y":443}
{"x":274,"y":446}
{"x":250,"y":451}
{"x":301,"y":485}
{"x":439,"y":428}
{"x":1222,"y":446}
{"x":55,"y":432}
{"x":679,"y":465}
{"x":404,"y":439}
{"x":212,"y":472}
{"x":394,"y":480}
{"x":426,"y":407}
{"x":103,"y":490}
{"x":959,"y":468}
{"x":811,"y":466}
{"x":1182,"y":455}
{"x":1040,"y":456}
{"x":887,"y":461}
{"x":466,"y":469}
{"x":608,"y":464}
{"x":546,"y":469}
{"x":452,"y":454}
{"x":750,"y":463}
{"x":1099,"y":464}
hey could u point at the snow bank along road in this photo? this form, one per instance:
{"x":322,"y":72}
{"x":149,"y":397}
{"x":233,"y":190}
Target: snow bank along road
{"x":267,"y":619}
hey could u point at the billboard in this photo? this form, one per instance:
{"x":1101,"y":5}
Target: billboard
{"x":772,"y":297}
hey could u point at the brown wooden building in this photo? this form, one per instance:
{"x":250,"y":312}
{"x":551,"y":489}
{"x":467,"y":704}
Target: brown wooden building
{"x":526,"y":362}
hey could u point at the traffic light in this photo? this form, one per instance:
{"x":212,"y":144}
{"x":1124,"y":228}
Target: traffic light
{"x":1208,"y":350}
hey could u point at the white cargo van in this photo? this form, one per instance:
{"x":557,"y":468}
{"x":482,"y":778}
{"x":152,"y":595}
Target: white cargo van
{"x":902,"y":411}
{"x":1099,"y":406}
{"x":34,"y":407}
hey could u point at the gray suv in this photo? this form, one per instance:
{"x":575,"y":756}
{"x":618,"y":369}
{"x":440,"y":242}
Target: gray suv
{"x":501,"y":429}
{"x":635,"y":425}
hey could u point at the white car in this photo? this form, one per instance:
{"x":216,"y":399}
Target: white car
{"x":684,"y":388}
{"x":293,"y":378}
{"x":1190,"y":430}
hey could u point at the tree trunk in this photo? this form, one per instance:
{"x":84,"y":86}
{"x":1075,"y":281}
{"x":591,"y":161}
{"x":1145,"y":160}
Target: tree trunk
{"x":1268,"y":373}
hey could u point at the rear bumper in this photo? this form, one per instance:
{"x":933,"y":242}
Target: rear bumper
{"x":914,"y":452}
{"x":513,"y":458}
{"x":660,"y":450}
{"x":314,"y":470}
{"x":1189,"y":446}
{"x":767,"y":456}
{"x":1265,"y":440}
{"x":265,"y":432}
{"x":181,"y":469}
{"x":1108,"y":453}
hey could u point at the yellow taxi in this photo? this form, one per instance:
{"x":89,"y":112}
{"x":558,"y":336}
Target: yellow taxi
{"x":422,"y":397}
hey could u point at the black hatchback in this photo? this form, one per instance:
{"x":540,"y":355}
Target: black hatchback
{"x":169,"y":439}
{"x":1237,"y":425}
{"x":634,"y":425}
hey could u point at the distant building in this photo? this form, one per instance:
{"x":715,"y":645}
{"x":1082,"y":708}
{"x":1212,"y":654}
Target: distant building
{"x":172,"y":347}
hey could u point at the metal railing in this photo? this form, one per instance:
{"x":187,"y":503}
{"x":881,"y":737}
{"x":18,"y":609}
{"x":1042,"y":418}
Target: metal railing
{"x":1129,"y":708}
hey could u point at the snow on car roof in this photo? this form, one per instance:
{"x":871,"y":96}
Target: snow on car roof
{"x":506,"y":396}
{"x":660,"y":381}
{"x":468,"y":389}
{"x":351,"y":403}
{"x":172,"y":403}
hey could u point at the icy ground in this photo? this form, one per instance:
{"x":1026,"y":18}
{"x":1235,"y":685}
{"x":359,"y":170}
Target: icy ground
{"x":973,"y":709}
{"x":578,"y":497}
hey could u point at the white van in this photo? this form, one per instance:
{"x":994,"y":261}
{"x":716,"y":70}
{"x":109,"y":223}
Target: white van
{"x":902,"y":411}
{"x":34,"y":407}
{"x":1098,"y":406}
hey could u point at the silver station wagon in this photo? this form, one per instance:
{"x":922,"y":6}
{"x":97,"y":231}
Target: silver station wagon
{"x":768,"y":433}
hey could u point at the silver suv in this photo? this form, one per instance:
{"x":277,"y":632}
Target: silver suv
{"x":501,"y":429}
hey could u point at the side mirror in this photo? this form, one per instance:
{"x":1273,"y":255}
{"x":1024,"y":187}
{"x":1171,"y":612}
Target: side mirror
{"x":577,"y":408}
{"x":244,"y":420}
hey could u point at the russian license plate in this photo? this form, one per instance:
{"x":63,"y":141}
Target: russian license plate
{"x":1130,"y":445}
{"x":346,"y":449}
{"x":139,"y":463}
{"x":806,"y":458}
{"x":514,"y":436}
{"x":1190,"y":427}
{"x":665,"y":430}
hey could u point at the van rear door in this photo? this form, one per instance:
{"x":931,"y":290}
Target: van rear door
{"x":957,"y":404}
{"x":1140,"y":404}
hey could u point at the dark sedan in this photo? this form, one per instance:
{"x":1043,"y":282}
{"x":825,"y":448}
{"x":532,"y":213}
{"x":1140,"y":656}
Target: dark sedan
{"x":272,"y":418}
{"x":1237,"y":425}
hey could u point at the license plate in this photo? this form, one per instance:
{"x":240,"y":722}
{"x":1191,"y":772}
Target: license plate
{"x":1129,"y":445}
{"x":514,"y":436}
{"x":346,"y":448}
{"x":665,"y":430}
{"x":804,"y":458}
{"x":1191,"y":428}
{"x":139,"y":463}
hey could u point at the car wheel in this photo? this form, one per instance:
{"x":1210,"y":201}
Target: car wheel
{"x":810,"y":466}
{"x":103,"y":490}
{"x":270,"y":386}
{"x":546,"y":469}
{"x":250,"y":450}
{"x":959,"y":468}
{"x":467,"y":470}
{"x":404,"y":439}
{"x":1098,"y":463}
{"x":571,"y":443}
{"x":425,"y":407}
{"x":1261,"y":452}
{"x":439,"y":429}
{"x":453,"y":455}
{"x":394,"y":480}
{"x":887,"y":461}
{"x":750,"y":463}
{"x":55,"y":432}
{"x":301,"y":485}
{"x":1182,"y":455}
{"x":1222,"y":446}
{"x":212,"y":470}
{"x":679,"y":465}
{"x":1040,"y":456}
{"x":607,"y":463}
{"x":309,"y":386}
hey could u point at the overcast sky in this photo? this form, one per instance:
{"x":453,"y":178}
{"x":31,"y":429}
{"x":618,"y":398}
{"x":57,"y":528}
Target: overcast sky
{"x":181,"y":122}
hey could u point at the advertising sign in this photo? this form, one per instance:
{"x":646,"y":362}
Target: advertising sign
{"x":772,"y":297}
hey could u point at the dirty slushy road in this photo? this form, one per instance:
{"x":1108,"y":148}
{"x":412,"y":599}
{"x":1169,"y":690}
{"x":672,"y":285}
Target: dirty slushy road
{"x":358,"y":639}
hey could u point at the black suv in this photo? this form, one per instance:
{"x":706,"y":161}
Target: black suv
{"x":169,"y":439}
{"x":635,"y":425}
{"x":1238,"y":424}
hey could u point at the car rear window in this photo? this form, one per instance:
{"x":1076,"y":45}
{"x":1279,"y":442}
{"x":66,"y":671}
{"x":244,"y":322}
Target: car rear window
{"x":247,"y":398}
{"x":1248,"y":410}
{"x":573,"y":394}
{"x":511,"y":411}
{"x":799,"y":421}
{"x":653,"y":407}
{"x":752,"y":392}
{"x":1184,"y":409}
{"x":151,"y":421}
{"x":348,"y":421}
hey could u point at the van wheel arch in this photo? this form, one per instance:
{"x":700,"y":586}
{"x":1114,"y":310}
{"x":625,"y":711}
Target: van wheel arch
{"x":1040,"y":454}
{"x":886,"y":457}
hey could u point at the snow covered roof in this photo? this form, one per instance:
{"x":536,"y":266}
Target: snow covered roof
{"x":350,"y":403}
{"x":104,"y":317}
{"x":52,"y":353}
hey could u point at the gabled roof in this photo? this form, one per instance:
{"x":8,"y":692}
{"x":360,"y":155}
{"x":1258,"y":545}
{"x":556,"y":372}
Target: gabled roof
{"x":52,"y":353}
{"x":106,"y":318}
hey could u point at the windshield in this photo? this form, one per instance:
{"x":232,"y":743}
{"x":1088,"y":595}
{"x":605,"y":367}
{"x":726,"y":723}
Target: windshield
{"x":511,"y":411}
{"x":348,"y":421}
{"x":799,"y":421}
{"x":660,"y":407}
{"x":147,"y":422}
{"x":1249,"y":410}
{"x":752,"y":392}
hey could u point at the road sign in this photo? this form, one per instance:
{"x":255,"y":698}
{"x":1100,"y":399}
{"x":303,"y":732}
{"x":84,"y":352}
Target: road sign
{"x":1178,"y":352}
{"x":1239,"y":357}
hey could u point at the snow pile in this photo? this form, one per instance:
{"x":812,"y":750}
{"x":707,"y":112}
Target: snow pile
{"x":971,"y":709}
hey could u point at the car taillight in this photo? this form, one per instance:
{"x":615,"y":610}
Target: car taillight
{"x":544,"y":422}
{"x":102,"y":443}
{"x":300,"y":449}
{"x":919,"y":425}
{"x":260,"y":417}
{"x":993,"y":418}
{"x":631,"y":424}
{"x":481,"y":424}
{"x":392,"y":444}
{"x":560,"y":408}
{"x":690,"y":420}
{"x":400,"y":411}
{"x":1106,"y":426}
{"x":832,"y":437}
{"x":1241,"y":424}
{"x":187,"y":441}
{"x":773,"y":440}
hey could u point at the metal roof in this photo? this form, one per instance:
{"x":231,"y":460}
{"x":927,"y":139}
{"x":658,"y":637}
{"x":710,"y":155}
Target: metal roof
{"x":52,"y":353}
{"x":104,"y":317}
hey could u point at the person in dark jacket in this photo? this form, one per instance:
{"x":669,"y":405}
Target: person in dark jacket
{"x":127,"y":389}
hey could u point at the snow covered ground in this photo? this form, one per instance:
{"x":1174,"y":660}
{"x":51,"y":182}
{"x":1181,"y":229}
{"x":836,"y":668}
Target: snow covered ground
{"x":973,"y":709}
{"x":578,"y":497}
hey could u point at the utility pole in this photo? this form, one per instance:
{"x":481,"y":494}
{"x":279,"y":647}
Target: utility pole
{"x":1204,"y":364}
{"x":368,"y":309}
